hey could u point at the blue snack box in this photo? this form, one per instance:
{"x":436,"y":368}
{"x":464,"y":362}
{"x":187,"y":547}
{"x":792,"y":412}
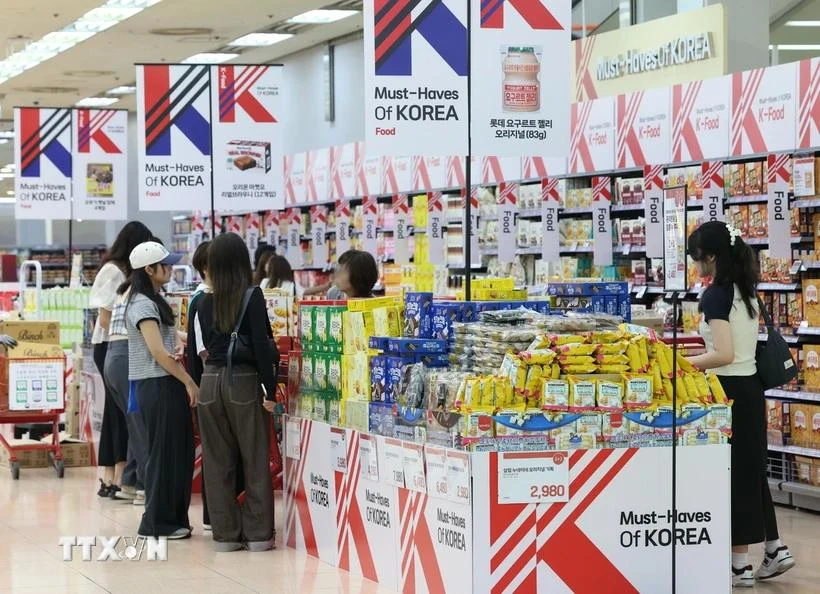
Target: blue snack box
{"x":444,"y":315}
{"x":380,"y":419}
{"x":434,"y":361}
{"x":569,"y":289}
{"x":469,"y":312}
{"x":418,"y":319}
{"x":625,"y":308}
{"x":611,"y":305}
{"x":394,"y":378}
{"x":378,"y":343}
{"x":378,"y":378}
{"x":416,"y":345}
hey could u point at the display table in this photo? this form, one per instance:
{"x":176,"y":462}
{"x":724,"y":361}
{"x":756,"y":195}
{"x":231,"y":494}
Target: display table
{"x":359,"y":502}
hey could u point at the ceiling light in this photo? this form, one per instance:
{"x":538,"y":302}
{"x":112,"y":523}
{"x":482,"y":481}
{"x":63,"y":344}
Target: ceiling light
{"x":9,"y":192}
{"x":99,"y":19}
{"x":322,"y":16}
{"x":123,"y":90}
{"x":259,"y":39}
{"x":803,"y":23}
{"x":96,"y":101}
{"x":7,"y":134}
{"x":804,"y":47}
{"x":209,"y":58}
{"x":4,"y":140}
{"x":6,"y":176}
{"x":7,"y":200}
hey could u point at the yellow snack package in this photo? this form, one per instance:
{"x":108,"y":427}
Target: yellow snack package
{"x":684,"y":365}
{"x":719,"y":416}
{"x":616,"y":369}
{"x":715,"y":386}
{"x":693,"y":437}
{"x":664,"y":360}
{"x":643,"y":351}
{"x":576,"y":349}
{"x":589,"y":423}
{"x":691,"y":388}
{"x":614,"y":348}
{"x":478,"y":422}
{"x":472,"y":392}
{"x":610,"y":394}
{"x":540,"y":342}
{"x":577,"y":441}
{"x":657,"y":384}
{"x":667,"y":389}
{"x":567,"y":360}
{"x":702,"y":387}
{"x":515,"y":411}
{"x":567,"y":339}
{"x":613,"y":427}
{"x":535,"y":379}
{"x":556,"y":371}
{"x":537,"y":357}
{"x":633,"y":357}
{"x":582,"y":392}
{"x":638,"y":390}
{"x":488,"y":395}
{"x":613,"y":359}
{"x":683,"y":393}
{"x":555,"y":395}
{"x":580,"y":369}
{"x":605,"y":336}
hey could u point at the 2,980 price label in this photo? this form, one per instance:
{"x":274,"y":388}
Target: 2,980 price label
{"x":533,"y":477}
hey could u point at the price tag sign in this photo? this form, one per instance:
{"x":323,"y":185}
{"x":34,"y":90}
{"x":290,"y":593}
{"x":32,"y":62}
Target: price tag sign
{"x":338,"y":449}
{"x":533,"y":477}
{"x":436,"y":462}
{"x":293,"y":438}
{"x":368,"y":459}
{"x":458,"y":477}
{"x":394,"y":462}
{"x":414,"y":467}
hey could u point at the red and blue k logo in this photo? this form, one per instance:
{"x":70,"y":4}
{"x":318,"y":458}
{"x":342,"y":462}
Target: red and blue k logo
{"x":172,"y":105}
{"x":395,"y":22}
{"x":533,"y":12}
{"x":42,"y":139}
{"x":236,"y":88}
{"x":91,"y":126}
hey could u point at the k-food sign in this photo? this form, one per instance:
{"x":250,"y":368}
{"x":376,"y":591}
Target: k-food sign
{"x":174,"y":123}
{"x":42,"y":155}
{"x":416,"y":77}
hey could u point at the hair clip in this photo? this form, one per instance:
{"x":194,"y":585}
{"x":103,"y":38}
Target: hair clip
{"x":733,"y":234}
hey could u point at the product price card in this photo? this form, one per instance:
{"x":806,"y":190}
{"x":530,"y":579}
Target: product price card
{"x":368,"y":459}
{"x":436,"y":462}
{"x":293,"y":438}
{"x":803,"y":176}
{"x":458,"y":477}
{"x":414,"y":475}
{"x":394,"y":462}
{"x":338,"y":449}
{"x":533,"y":477}
{"x":674,"y":239}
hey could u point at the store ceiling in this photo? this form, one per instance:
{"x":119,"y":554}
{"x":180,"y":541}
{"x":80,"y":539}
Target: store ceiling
{"x":782,"y":33}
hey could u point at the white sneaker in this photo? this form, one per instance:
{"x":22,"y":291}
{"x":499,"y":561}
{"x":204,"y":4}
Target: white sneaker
{"x":743,"y":578}
{"x":206,"y":528}
{"x":139,"y":499}
{"x":179,"y":534}
{"x":775,"y":564}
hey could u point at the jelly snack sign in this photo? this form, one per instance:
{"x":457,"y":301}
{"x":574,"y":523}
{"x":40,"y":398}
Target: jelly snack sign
{"x":174,"y":136}
{"x":520,"y":103}
{"x":415,"y":56}
{"x":42,"y":155}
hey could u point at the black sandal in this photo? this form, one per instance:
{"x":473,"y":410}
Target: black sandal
{"x":105,"y":490}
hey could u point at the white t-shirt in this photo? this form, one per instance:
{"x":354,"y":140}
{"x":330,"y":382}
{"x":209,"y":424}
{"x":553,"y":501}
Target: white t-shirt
{"x":724,"y":302}
{"x":103,"y":295}
{"x":287,"y":287}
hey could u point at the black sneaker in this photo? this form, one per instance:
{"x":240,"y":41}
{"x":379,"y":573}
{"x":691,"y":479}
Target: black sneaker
{"x":113,"y":490}
{"x":104,"y":490}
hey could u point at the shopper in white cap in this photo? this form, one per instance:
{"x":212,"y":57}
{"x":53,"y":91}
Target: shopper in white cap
{"x":163,"y":391}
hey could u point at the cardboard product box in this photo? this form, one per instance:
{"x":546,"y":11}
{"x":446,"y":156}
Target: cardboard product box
{"x":26,"y":458}
{"x":739,"y":217}
{"x":44,"y":332}
{"x":735,"y":179}
{"x":32,"y":377}
{"x":811,"y":367}
{"x":758,"y":220}
{"x":774,"y":422}
{"x":804,"y":417}
{"x":754,"y":178}
{"x":248,"y":155}
{"x":76,"y":453}
{"x":807,"y":470}
{"x":811,"y":301}
{"x":280,"y":310}
{"x":72,"y":410}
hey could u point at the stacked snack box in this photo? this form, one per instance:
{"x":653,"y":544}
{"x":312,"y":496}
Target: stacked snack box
{"x":609,"y":298}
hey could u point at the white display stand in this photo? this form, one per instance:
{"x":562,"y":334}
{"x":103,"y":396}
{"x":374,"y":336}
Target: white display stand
{"x":614,"y":530}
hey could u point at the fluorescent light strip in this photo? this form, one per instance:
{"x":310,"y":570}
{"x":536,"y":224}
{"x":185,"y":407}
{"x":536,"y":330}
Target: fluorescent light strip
{"x":259,"y":39}
{"x":96,"y":101}
{"x":803,"y":23}
{"x":8,"y":200}
{"x":94,"y":21}
{"x":123,"y":90}
{"x":796,"y":47}
{"x":322,"y":16}
{"x":210,"y":58}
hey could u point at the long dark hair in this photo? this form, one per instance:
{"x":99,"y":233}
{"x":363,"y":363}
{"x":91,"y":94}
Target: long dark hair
{"x":362,"y":270}
{"x":734,"y":264}
{"x":229,"y":272}
{"x":261,"y":268}
{"x":139,"y":282}
{"x":279,"y":271}
{"x":129,"y":237}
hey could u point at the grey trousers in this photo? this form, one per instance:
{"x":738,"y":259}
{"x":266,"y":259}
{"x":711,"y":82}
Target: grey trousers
{"x":235,"y":430}
{"x":116,"y":376}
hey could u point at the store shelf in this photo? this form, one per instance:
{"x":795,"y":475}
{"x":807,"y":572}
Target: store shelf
{"x":793,"y":395}
{"x":765,"y":241}
{"x":488,"y":217}
{"x":576,"y":210}
{"x":529,"y":251}
{"x":627,"y":208}
{"x":576,"y":249}
{"x":806,"y":203}
{"x":796,"y":450}
{"x":808,"y":331}
{"x":533,"y":213}
{"x":777,"y":286}
{"x":756,"y":199}
{"x":788,"y":338}
{"x":810,"y":266}
{"x":778,"y":494}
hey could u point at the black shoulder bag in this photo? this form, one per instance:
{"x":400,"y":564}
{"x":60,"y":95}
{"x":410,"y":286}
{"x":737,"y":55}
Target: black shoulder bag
{"x":240,"y":348}
{"x":775,"y":364}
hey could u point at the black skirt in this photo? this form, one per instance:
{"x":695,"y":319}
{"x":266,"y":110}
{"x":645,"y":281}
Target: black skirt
{"x":114,"y":432}
{"x":753,"y":516}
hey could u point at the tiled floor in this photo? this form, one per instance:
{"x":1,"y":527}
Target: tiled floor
{"x":39,"y":508}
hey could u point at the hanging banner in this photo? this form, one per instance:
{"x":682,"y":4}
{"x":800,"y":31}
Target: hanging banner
{"x":235,"y":224}
{"x":429,"y":173}
{"x":592,"y":143}
{"x":764,"y":110}
{"x":295,"y":178}
{"x":601,"y":221}
{"x":42,"y":155}
{"x":174,"y":136}
{"x":808,"y":94}
{"x":701,"y":119}
{"x":316,"y":169}
{"x":475,"y":251}
{"x":294,"y":251}
{"x":252,"y":228}
{"x":100,"y":164}
{"x":435,"y":229}
{"x":653,"y":209}
{"x":272,"y":229}
{"x":713,"y":191}
{"x":780,"y":235}
{"x":368,"y":172}
{"x":674,"y":239}
{"x":401,"y":236}
{"x":415,"y":65}
{"x":318,"y":232}
{"x":197,"y":231}
{"x":342,"y":171}
{"x":507,"y":221}
{"x":643,"y":128}
{"x":550,"y":203}
{"x":247,"y":108}
{"x":342,"y":226}
{"x":370,"y":212}
{"x":455,"y":172}
{"x":495,"y":170}
{"x":520,"y":105}
{"x":537,"y":168}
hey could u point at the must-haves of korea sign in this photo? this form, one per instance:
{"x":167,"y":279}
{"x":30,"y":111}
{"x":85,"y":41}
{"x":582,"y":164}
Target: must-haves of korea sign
{"x":680,"y":48}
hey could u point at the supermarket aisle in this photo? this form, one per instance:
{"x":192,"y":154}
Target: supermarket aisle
{"x":36,"y":510}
